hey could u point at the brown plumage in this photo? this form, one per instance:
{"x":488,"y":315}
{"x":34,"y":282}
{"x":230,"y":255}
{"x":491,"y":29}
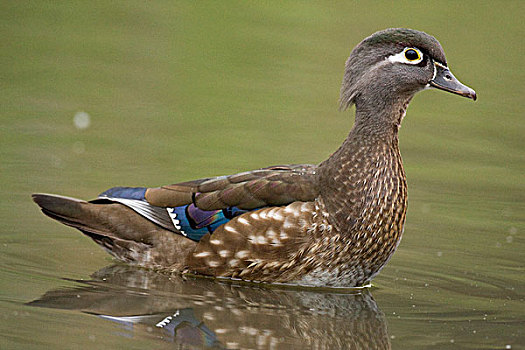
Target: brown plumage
{"x":275,"y":185}
{"x":333,"y":224}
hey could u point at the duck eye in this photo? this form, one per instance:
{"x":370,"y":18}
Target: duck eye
{"x":412,"y":55}
{"x":409,"y":55}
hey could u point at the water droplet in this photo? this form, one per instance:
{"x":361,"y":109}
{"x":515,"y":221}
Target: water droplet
{"x":82,"y":120}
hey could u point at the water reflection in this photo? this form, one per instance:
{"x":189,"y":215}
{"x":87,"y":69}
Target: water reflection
{"x":206,"y":313}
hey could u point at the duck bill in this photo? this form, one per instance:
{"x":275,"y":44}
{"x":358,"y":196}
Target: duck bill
{"x":445,"y":80}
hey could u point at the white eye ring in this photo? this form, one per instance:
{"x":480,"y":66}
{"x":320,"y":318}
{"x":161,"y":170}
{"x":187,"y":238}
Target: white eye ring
{"x":401,"y":58}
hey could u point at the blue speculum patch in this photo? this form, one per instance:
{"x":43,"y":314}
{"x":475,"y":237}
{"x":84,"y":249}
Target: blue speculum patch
{"x":125,"y":192}
{"x":195,"y":223}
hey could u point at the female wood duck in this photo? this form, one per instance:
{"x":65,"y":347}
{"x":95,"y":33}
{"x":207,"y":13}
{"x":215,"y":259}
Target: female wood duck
{"x":333,"y":224}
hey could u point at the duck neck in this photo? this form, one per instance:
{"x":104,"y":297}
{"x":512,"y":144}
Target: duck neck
{"x":366,"y":171}
{"x":379,"y":118}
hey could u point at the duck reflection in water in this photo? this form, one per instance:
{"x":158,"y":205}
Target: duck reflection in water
{"x":196,"y":312}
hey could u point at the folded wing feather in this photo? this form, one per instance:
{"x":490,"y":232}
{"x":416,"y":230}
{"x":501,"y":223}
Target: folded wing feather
{"x":277,"y":185}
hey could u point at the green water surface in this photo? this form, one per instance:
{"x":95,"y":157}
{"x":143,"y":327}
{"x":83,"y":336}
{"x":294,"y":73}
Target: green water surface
{"x":177,"y":90}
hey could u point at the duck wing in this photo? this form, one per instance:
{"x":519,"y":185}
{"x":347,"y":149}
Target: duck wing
{"x":198,"y":207}
{"x":276,"y":185}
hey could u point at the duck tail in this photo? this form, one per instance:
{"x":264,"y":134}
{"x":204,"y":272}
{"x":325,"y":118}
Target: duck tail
{"x":67,"y":210}
{"x":118,"y":229}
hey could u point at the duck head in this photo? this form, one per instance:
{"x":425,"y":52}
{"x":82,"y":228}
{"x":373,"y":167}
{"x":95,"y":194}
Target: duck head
{"x":390,"y":66}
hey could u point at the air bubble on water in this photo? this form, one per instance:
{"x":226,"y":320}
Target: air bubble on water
{"x":513,"y":230}
{"x":82,"y":120}
{"x":440,"y":254}
{"x":509,"y":239}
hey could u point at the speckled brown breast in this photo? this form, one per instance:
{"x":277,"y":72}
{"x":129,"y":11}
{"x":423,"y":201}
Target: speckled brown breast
{"x":364,"y":202}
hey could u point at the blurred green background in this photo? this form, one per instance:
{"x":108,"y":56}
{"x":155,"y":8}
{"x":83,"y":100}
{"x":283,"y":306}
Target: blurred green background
{"x":182,"y":90}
